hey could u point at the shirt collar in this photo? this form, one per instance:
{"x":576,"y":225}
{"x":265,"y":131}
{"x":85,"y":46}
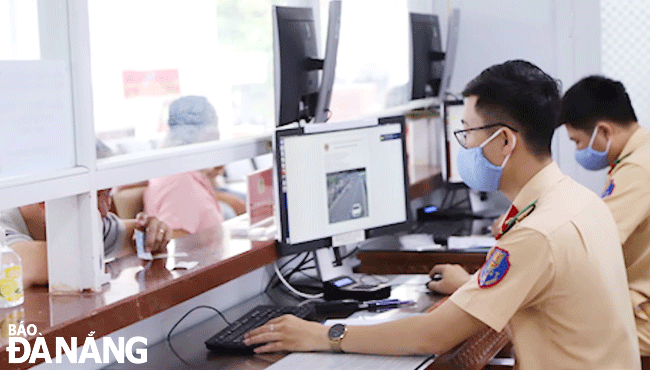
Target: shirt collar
{"x":638,"y":138}
{"x":538,"y":185}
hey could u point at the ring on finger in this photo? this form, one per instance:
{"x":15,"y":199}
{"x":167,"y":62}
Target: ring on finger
{"x":271,"y":327}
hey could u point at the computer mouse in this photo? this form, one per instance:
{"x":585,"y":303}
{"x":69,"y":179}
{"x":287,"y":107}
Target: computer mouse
{"x":436,"y":277}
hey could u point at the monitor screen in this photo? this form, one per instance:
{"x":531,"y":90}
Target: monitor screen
{"x":335,"y":182}
{"x":427,"y":57}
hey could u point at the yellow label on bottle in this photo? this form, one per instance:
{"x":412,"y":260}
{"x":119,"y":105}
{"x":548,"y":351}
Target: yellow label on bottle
{"x":10,"y":288}
{"x":13,"y":272}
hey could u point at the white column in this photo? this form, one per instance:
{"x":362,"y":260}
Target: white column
{"x":73,"y":226}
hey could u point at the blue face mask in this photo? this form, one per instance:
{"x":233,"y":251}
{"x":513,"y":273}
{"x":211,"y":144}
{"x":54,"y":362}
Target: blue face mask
{"x":476,"y":171}
{"x":590,"y":158}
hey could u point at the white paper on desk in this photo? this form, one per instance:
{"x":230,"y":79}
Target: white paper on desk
{"x":466,"y":242}
{"x":347,"y":361}
{"x":372,"y":319}
{"x":418,"y":242}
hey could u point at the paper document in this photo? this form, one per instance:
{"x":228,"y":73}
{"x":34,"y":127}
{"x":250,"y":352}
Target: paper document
{"x":372,"y":319}
{"x":347,"y":361}
{"x":466,"y":242}
{"x":418,"y":242}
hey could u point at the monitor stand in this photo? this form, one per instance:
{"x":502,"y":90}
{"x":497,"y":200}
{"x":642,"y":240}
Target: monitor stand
{"x":329,"y":263}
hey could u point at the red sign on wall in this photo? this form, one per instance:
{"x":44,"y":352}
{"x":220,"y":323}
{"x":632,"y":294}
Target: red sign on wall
{"x":151,"y":83}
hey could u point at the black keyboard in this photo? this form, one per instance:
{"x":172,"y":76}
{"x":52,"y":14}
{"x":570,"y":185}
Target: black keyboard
{"x":231,"y":339}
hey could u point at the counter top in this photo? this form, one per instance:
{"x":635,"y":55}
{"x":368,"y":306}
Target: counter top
{"x":138,"y":289}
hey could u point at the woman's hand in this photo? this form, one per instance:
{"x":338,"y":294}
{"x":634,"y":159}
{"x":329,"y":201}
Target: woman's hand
{"x":289,"y":333}
{"x":157,"y":232}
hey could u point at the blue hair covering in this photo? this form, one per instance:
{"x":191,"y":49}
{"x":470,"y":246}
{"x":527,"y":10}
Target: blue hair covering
{"x":192,"y":119}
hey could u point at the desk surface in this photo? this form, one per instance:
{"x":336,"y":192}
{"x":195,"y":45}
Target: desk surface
{"x":137,"y":290}
{"x":188,"y":350}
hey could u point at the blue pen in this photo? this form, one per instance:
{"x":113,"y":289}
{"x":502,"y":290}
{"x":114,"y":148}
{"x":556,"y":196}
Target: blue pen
{"x":384,"y":304}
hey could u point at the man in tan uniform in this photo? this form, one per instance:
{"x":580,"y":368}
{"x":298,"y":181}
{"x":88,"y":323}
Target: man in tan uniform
{"x":556,"y":275}
{"x":601,"y":121}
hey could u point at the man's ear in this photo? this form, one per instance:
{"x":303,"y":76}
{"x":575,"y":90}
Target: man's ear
{"x":610,"y":129}
{"x":509,"y":142}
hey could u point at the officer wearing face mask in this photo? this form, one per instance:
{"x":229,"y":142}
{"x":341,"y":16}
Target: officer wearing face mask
{"x":556,"y":275}
{"x":600,"y":120}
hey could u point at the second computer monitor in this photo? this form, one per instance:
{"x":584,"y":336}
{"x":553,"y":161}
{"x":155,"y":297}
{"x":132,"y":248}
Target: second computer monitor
{"x":427,"y":56}
{"x":300,"y":95}
{"x":335,"y":182}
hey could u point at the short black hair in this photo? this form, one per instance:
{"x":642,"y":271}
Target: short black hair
{"x":593,"y":99}
{"x":519,"y":93}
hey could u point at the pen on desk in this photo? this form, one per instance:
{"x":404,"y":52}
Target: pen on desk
{"x":384,"y":304}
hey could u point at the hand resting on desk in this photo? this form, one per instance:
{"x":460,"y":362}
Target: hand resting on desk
{"x":453,"y":277}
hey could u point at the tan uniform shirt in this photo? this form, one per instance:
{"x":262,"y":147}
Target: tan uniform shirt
{"x":627,"y":194}
{"x":558,"y":278}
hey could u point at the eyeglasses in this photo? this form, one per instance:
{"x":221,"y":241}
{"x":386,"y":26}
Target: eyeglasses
{"x":461,"y":135}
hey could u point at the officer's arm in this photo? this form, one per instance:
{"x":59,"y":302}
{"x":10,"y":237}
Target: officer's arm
{"x":629,"y":200}
{"x":435,"y":332}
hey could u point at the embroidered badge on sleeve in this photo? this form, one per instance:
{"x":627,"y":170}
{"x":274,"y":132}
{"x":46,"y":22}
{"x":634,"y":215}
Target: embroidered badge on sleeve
{"x":494,"y":269}
{"x":608,"y":191}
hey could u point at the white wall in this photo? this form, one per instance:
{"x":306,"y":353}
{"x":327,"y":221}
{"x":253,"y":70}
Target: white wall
{"x":560,"y":36}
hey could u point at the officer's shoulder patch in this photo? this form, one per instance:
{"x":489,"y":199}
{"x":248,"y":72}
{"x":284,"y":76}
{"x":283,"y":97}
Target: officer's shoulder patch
{"x":609,"y":189}
{"x":494,"y":269}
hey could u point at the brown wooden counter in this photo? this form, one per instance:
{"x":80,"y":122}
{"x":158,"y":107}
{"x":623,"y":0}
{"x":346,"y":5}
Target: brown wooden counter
{"x":137,"y":290}
{"x":140,"y":289}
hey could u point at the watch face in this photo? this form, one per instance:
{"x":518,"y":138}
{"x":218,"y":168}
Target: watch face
{"x":336,"y":331}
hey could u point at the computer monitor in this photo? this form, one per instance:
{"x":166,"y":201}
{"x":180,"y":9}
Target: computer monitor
{"x":298,"y":93}
{"x":431,"y":68}
{"x":448,"y":145}
{"x":426,"y":55}
{"x":329,"y":64}
{"x":339,"y":183}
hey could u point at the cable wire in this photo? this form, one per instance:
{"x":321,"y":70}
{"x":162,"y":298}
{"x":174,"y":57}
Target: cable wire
{"x":292,"y":289}
{"x":429,"y":358}
{"x":169,"y":335}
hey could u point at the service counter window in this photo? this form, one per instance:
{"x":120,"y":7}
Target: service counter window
{"x":145,"y":56}
{"x":372,"y":70}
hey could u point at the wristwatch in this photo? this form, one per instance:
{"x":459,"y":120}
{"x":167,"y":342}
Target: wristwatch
{"x":335,"y":335}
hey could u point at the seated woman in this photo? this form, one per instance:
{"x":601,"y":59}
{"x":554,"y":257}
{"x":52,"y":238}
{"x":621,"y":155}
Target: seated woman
{"x":188,"y":202}
{"x":25,"y":234}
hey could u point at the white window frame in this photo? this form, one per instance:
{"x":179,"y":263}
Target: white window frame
{"x":75,"y":246}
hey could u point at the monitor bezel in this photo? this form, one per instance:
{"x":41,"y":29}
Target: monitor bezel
{"x":284,"y":248}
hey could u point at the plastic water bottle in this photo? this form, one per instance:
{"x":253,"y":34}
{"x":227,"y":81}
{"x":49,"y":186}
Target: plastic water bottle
{"x":11,"y":275}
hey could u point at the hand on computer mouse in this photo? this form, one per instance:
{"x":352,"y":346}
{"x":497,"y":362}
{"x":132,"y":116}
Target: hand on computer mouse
{"x":446,"y":279}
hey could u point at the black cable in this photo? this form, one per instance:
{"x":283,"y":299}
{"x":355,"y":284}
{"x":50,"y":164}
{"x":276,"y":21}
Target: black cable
{"x":274,"y":280}
{"x":189,"y":312}
{"x":297,"y":267}
{"x":169,"y":335}
{"x":429,"y":358}
{"x":350,"y":254}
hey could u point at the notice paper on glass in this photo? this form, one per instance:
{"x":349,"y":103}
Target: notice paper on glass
{"x":36,"y":117}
